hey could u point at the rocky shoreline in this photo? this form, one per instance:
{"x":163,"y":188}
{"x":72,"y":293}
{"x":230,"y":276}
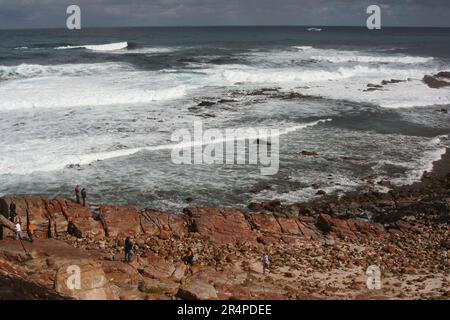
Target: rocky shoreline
{"x":318,"y":250}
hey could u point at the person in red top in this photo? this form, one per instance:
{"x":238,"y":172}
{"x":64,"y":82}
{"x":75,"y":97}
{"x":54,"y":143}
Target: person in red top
{"x":189,"y":257}
{"x":30,"y":232}
{"x":77,"y":193}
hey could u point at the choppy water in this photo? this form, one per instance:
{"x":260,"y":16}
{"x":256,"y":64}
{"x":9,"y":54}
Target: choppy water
{"x":98,"y":108}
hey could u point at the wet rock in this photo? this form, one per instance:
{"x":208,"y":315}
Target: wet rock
{"x":385,"y":82}
{"x":206,"y":104}
{"x":270,"y":205}
{"x":309,"y":153}
{"x":436,"y":81}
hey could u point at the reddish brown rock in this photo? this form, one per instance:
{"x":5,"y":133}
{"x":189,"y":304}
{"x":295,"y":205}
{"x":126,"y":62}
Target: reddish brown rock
{"x":307,"y":231}
{"x":328,"y":224}
{"x":93,"y":284}
{"x":58,"y":222}
{"x":157,"y":267}
{"x":221,"y":226}
{"x":197,"y":290}
{"x":120,"y":221}
{"x":163,"y":225}
{"x":46,"y":216}
{"x":265,"y":223}
{"x":349,"y":228}
{"x":80,"y":219}
{"x":269,"y":238}
{"x":37,"y":214}
{"x":289,"y":225}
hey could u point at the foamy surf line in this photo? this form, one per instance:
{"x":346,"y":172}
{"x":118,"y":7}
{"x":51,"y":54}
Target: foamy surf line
{"x":426,"y":162}
{"x":97,"y":47}
{"x":25,"y":71}
{"x":88,"y":159}
{"x":375,"y":59}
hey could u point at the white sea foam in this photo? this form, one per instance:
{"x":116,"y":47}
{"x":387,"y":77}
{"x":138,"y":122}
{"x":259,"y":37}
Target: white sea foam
{"x":245,"y":74}
{"x":303,"y":47}
{"x":97,"y":47}
{"x":408,"y":94}
{"x":307,"y":53}
{"x":145,"y":51}
{"x":90,"y":158}
{"x":24,"y":70}
{"x":436,"y":149}
{"x":373,"y":59}
{"x":37,"y":161}
{"x":74,"y":92}
{"x":305,"y":125}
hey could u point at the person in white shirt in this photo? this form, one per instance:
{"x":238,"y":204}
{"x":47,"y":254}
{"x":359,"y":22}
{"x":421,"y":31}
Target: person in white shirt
{"x":18,"y":231}
{"x":265,"y":262}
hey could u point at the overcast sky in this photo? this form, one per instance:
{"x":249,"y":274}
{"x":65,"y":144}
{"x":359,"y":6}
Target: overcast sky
{"x":103,"y":13}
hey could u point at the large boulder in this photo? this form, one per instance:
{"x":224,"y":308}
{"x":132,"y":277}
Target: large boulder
{"x":84,"y":282}
{"x":437,"y":81}
{"x":197,"y":290}
{"x":157,"y":267}
{"x":289,"y":225}
{"x":265,"y":223}
{"x":163,"y":225}
{"x":53,"y":217}
{"x":120,"y":221}
{"x":81,"y":220}
{"x":29,"y":209}
{"x":220,"y":226}
{"x":340,"y":227}
{"x":349,"y":228}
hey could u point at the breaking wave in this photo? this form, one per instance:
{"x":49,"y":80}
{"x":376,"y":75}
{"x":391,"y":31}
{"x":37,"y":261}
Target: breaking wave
{"x":24,"y":70}
{"x":98,"y":47}
{"x":373,"y":59}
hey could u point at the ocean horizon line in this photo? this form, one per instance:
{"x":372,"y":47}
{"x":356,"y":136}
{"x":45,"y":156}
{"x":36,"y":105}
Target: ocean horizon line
{"x":224,"y":26}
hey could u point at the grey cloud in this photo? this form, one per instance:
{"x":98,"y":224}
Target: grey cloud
{"x":51,"y":13}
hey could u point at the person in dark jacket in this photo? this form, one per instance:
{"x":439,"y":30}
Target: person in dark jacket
{"x":12,"y":212}
{"x":189,"y":257}
{"x":84,"y":195}
{"x":128,"y":249}
{"x":1,"y":231}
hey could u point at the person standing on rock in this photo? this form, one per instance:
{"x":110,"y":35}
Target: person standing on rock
{"x":1,"y":231}
{"x":189,"y":257}
{"x":265,"y":262}
{"x":77,"y":193}
{"x":84,"y":195}
{"x":12,"y":211}
{"x":128,"y":249}
{"x":30,"y":232}
{"x":18,"y":231}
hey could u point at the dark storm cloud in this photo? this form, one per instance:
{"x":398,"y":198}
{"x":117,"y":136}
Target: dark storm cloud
{"x":51,"y":13}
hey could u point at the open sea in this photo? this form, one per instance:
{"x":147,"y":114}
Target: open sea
{"x":97,"y":107}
